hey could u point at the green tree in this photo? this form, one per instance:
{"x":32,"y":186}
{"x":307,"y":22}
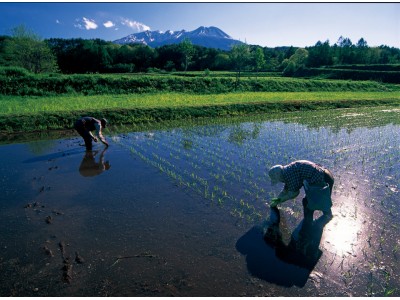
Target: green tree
{"x":169,"y":66}
{"x":3,"y":42}
{"x":203,"y":58}
{"x":296,"y":62}
{"x":361,"y":52}
{"x":188,"y":50}
{"x":143,"y":57}
{"x":26,"y":49}
{"x":240,"y":56}
{"x":319,"y":55}
{"x":344,"y":51}
{"x":259,"y":59}
{"x":222,"y":62}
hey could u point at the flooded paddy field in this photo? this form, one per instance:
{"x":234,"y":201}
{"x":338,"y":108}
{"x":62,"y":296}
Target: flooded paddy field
{"x":181,"y":210}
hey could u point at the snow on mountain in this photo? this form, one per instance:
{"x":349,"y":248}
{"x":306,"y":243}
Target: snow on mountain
{"x":211,"y":37}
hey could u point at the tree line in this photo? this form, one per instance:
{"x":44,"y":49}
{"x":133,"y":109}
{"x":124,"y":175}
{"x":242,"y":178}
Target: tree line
{"x":27,"y":50}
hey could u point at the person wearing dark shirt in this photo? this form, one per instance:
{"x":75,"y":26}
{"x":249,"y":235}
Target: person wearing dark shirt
{"x":313,"y":177}
{"x":84,"y":126}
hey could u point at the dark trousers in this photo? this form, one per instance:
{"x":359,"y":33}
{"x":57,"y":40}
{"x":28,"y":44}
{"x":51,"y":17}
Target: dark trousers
{"x":328,"y":178}
{"x":80,"y":128}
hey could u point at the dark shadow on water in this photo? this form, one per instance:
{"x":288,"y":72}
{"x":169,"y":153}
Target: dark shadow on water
{"x":270,"y":259}
{"x":89,"y":167}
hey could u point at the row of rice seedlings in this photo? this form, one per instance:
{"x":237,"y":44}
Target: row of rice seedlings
{"x":198,"y":184}
{"x":237,"y":156}
{"x":374,"y":158}
{"x":368,"y":144}
{"x":213,"y":150}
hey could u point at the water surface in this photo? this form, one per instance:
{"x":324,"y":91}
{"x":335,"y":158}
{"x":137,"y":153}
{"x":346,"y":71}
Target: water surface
{"x":182,"y":210}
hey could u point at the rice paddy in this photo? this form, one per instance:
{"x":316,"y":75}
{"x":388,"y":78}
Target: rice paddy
{"x":227,"y":165}
{"x":51,"y":104}
{"x":177,"y":214}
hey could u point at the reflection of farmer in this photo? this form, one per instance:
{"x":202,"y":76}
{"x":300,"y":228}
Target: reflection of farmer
{"x":85,"y":125}
{"x":89,"y":167}
{"x":303,"y":248}
{"x":317,"y":181}
{"x":270,"y":258}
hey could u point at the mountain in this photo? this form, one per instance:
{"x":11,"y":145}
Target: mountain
{"x":211,"y":37}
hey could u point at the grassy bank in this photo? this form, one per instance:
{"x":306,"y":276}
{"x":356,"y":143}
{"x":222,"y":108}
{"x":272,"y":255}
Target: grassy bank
{"x":45,"y":113}
{"x":95,"y":84}
{"x":33,"y":102}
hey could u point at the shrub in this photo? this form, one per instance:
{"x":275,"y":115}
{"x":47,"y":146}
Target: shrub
{"x":350,"y":74}
{"x":95,"y":84}
{"x":13,"y":71}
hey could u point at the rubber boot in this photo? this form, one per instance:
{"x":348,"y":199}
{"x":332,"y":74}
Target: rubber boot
{"x":328,"y":214}
{"x":308,"y":213}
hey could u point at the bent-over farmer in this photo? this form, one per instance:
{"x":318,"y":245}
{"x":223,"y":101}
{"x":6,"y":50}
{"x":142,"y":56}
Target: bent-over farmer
{"x":313,"y":177}
{"x":86,"y":125}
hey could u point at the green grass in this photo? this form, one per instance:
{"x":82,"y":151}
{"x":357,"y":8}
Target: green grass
{"x":30,"y":102}
{"x":10,"y":105}
{"x":100,"y":84}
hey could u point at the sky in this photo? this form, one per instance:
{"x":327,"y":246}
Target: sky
{"x":265,"y":24}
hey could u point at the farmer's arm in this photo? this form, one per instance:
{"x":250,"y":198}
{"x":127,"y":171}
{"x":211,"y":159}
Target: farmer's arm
{"x":283,"y":196}
{"x":99,"y":134}
{"x":292,"y":184}
{"x":287,"y":195}
{"x":92,"y":136}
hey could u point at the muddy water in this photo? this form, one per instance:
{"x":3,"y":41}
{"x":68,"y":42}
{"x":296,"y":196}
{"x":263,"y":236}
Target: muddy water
{"x":181,"y":211}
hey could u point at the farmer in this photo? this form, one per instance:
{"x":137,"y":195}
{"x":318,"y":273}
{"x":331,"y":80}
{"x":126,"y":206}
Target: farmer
{"x":85,"y":125}
{"x":308,"y":174}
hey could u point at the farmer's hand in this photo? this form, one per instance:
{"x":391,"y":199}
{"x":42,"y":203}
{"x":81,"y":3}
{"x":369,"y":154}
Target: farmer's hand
{"x":95,"y":139}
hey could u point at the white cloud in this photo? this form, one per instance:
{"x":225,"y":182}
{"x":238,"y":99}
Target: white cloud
{"x":108,"y":24}
{"x":89,"y":24}
{"x":86,"y":23}
{"x":135,"y":25}
{"x":58,"y":22}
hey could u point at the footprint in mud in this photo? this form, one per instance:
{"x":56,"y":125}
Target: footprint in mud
{"x":33,"y":205}
{"x":43,"y":188}
{"x":39,"y":209}
{"x":67,"y":271}
{"x":79,"y":258}
{"x":67,"y":261}
{"x":67,"y":265}
{"x":48,"y":251}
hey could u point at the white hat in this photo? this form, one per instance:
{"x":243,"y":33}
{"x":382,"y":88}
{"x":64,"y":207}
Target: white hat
{"x":275,"y":173}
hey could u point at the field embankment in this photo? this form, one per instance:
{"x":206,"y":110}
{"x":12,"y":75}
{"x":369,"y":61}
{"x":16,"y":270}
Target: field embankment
{"x":44,"y":102}
{"x":96,"y":84}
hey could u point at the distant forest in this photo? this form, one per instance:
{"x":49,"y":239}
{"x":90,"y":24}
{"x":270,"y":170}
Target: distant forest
{"x":25,"y":49}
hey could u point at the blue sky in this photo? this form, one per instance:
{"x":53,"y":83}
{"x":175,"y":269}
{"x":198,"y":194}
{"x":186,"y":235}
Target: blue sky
{"x":265,"y":24}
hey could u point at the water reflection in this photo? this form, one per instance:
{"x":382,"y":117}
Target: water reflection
{"x":89,"y":167}
{"x":342,"y":234}
{"x":270,"y":259}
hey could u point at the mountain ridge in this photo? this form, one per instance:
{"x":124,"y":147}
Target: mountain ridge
{"x":210,"y":37}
